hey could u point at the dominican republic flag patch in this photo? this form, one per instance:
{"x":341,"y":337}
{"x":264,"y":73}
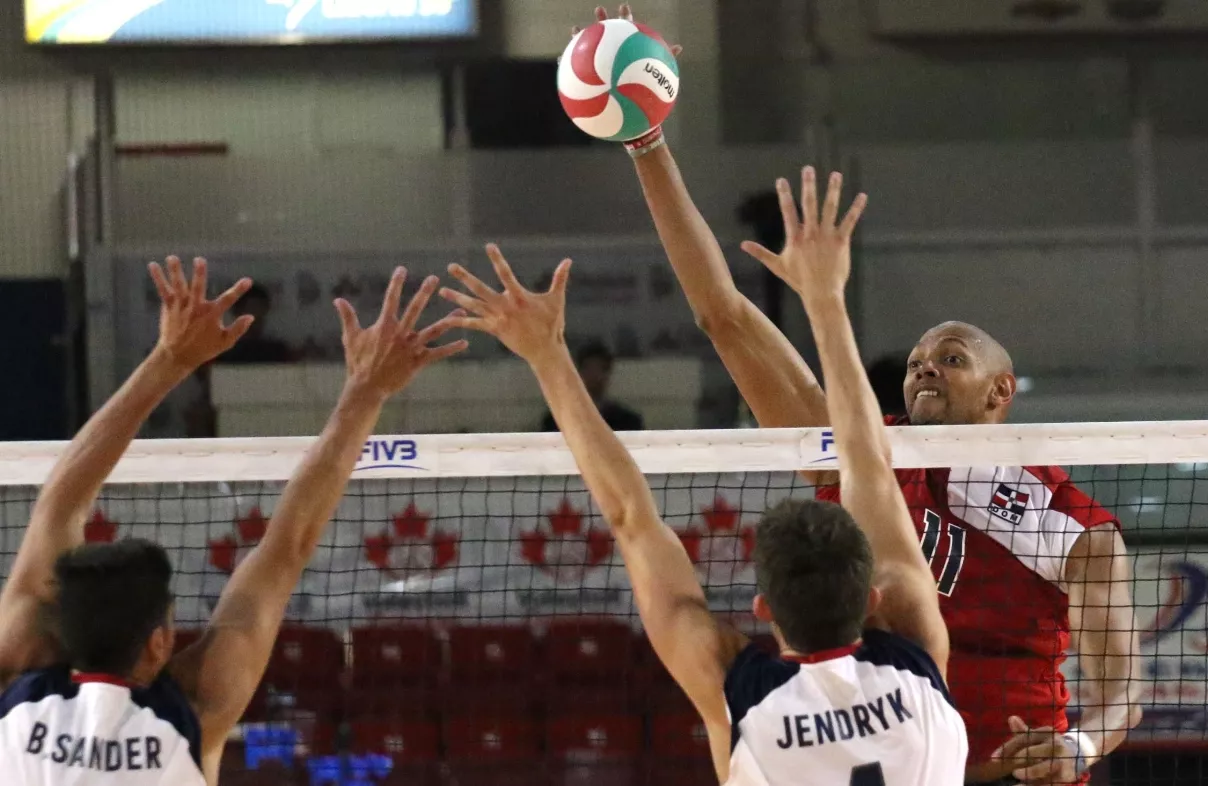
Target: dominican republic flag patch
{"x":1009,"y":504}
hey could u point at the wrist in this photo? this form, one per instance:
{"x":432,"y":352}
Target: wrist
{"x":550,"y":357}
{"x":1086,"y":753}
{"x":166,"y":369}
{"x":824,"y":303}
{"x":647,"y":143}
{"x":360,"y":393}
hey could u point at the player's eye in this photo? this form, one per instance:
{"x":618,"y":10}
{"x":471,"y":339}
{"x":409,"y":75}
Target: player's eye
{"x":953,"y":360}
{"x":912,"y":365}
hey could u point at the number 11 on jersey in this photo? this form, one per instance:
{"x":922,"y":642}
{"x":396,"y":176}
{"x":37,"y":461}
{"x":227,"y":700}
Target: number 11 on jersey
{"x":932,"y":523}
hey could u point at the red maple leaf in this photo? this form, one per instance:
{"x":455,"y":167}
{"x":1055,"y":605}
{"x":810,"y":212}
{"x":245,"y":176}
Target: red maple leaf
{"x":411,"y":523}
{"x":377,"y":550}
{"x":599,"y":546}
{"x":721,"y":516}
{"x":532,"y":547}
{"x":99,"y":529}
{"x":748,"y":543}
{"x":565,"y":520}
{"x":222,"y":553}
{"x":252,"y":526}
{"x":444,"y":550}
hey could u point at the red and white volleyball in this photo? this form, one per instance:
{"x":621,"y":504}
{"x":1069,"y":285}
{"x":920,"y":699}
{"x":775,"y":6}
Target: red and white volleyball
{"x":618,"y":80}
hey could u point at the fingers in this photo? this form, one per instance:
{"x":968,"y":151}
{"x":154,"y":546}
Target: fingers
{"x":561,"y":277}
{"x":626,"y":12}
{"x":473,"y":283}
{"x":166,"y":295}
{"x":199,"y":280}
{"x":830,"y":208}
{"x":418,"y":304}
{"x":176,"y":278}
{"x":677,"y":50}
{"x":472,"y":305}
{"x":232,"y":295}
{"x":574,"y":31}
{"x":233,"y":332}
{"x":601,"y":14}
{"x":502,"y":269}
{"x":1016,"y":724}
{"x":788,"y":210}
{"x":469,"y":323}
{"x":394,"y":294}
{"x":1041,"y":769}
{"x":437,"y":354}
{"x":768,"y":259}
{"x":349,"y":325}
{"x":439,"y":328}
{"x":809,"y":197}
{"x":848,"y":227}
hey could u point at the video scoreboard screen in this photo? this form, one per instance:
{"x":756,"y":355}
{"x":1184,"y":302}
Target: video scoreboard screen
{"x":246,"y":22}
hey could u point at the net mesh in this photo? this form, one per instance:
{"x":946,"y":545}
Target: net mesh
{"x":464,"y":629}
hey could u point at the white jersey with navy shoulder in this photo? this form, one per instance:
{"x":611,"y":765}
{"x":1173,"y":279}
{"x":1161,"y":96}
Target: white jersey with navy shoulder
{"x":874,"y":714}
{"x":57,"y":729}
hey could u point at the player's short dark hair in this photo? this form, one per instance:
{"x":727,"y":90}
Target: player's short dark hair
{"x":814,"y":569}
{"x":110,"y":598}
{"x":594,"y":350}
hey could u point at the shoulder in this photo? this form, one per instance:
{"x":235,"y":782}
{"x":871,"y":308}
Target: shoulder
{"x":752,"y":676}
{"x":883,"y":648}
{"x":33,"y":686}
{"x":167,"y":701}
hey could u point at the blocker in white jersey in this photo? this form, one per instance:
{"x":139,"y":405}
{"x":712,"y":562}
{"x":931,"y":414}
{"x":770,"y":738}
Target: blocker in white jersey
{"x":64,"y":729}
{"x":875,"y":713}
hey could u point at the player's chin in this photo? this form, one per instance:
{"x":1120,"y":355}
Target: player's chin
{"x":928,"y":412}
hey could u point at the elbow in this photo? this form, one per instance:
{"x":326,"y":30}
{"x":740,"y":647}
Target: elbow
{"x":720,"y":316}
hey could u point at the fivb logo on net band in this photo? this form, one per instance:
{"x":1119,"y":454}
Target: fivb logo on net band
{"x":389,"y":453}
{"x":826,"y":446}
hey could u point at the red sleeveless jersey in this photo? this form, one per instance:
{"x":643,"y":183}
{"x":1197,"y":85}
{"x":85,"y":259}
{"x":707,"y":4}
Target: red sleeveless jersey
{"x":997,"y":539}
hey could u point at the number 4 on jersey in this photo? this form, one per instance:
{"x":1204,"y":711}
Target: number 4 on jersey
{"x":956,"y":550}
{"x":867,"y":775}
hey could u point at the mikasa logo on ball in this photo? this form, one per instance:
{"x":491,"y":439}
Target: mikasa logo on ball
{"x":665,"y":83}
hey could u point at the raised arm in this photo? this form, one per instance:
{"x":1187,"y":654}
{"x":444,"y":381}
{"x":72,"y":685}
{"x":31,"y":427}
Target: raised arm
{"x":191,"y":333}
{"x":770,"y":374}
{"x":816,"y":264}
{"x":220,"y":672}
{"x":688,"y":640}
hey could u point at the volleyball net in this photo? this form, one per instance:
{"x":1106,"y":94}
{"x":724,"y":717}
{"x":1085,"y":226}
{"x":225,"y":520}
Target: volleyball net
{"x":468,"y":620}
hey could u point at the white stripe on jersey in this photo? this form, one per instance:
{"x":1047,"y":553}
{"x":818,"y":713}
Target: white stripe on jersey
{"x":878,"y":716}
{"x":54,"y":732}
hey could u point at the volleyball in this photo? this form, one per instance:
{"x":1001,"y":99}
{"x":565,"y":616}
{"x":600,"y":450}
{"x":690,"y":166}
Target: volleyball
{"x":618,"y":80}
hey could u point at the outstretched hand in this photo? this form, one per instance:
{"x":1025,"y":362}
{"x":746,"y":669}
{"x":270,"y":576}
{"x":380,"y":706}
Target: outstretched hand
{"x":626,"y":13}
{"x":387,"y":355}
{"x":530,"y":324}
{"x":816,"y":260}
{"x":192,"y":330}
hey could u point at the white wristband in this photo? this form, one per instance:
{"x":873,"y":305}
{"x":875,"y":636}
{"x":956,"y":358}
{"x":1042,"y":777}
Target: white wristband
{"x":1086,"y":753}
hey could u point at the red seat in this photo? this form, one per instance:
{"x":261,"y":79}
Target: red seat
{"x":396,"y":702}
{"x":618,"y":697}
{"x":493,"y":699}
{"x":491,"y":653}
{"x":475,"y":738}
{"x":395,"y":655}
{"x":304,"y":656}
{"x":407,"y":743}
{"x":679,"y":735}
{"x":522,"y":772}
{"x":589,"y":649}
{"x":584,"y":738}
{"x":696,"y":771}
{"x":613,"y":772}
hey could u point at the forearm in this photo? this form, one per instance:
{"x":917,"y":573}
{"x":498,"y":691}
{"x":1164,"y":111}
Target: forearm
{"x":610,"y":473}
{"x":854,"y":412}
{"x":770,"y":374}
{"x":1117,"y":711}
{"x":312,"y":494}
{"x":79,"y":473}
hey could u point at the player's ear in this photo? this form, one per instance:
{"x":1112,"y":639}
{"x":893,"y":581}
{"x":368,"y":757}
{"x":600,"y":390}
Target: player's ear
{"x":1002,"y":391}
{"x":761,"y":610}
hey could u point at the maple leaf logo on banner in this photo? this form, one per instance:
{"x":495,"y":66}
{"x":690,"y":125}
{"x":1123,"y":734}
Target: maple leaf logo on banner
{"x":725,"y":547}
{"x":409,"y":546}
{"x":565,"y":552}
{"x":228,"y":551}
{"x":99,"y":529}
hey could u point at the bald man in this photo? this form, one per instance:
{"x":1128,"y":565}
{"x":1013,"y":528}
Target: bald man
{"x":1026,"y":564}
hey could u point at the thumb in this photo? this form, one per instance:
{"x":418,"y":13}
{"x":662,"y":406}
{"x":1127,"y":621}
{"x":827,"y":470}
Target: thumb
{"x":348,"y":317}
{"x":766,"y":258}
{"x":561,"y":277}
{"x":1016,"y":724}
{"x":236,"y":329}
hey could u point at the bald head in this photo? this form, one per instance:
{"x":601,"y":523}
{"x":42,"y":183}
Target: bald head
{"x":958,"y":374}
{"x":992,"y":355}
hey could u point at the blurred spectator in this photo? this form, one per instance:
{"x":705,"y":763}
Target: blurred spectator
{"x":886,"y":374}
{"x":256,"y":346}
{"x":595,"y":366}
